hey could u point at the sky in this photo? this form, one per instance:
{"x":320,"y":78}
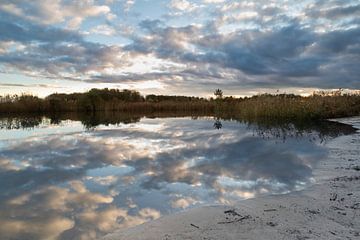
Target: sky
{"x":179,"y":47}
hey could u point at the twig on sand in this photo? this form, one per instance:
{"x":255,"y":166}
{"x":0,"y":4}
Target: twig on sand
{"x":333,"y":196}
{"x":232,"y":212}
{"x":270,"y":210}
{"x":236,"y":220}
{"x":271,"y":224}
{"x":193,"y":225}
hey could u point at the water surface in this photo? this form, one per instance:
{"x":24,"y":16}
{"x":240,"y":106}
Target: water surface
{"x":83,"y":178}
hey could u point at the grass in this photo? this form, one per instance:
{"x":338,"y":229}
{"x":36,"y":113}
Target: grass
{"x":290,"y":107}
{"x":278,"y":107}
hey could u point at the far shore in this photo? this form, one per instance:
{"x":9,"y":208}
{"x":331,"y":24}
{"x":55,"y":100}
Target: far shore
{"x":329,"y":209}
{"x":279,"y":106}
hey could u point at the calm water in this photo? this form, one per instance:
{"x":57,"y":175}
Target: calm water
{"x":71,"y":179}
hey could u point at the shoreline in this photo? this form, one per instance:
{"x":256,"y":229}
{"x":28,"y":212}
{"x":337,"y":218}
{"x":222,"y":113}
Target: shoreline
{"x":328,"y":209}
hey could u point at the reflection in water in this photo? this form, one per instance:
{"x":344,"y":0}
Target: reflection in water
{"x":217,"y":124}
{"x":20,"y":122}
{"x":61,"y":181}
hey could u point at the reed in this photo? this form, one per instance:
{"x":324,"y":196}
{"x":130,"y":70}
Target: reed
{"x":290,"y":107}
{"x":284,"y":107}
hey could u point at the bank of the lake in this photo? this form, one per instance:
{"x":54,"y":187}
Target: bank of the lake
{"x":278,"y":107}
{"x":329,"y":209}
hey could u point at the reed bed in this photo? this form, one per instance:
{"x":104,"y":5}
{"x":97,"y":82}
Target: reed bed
{"x":285,"y":107}
{"x":290,"y":107}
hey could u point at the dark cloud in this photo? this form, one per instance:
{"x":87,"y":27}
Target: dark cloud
{"x":11,"y":85}
{"x":343,"y":11}
{"x":276,"y":49}
{"x":290,"y":52}
{"x":151,"y":25}
{"x":16,"y":29}
{"x":340,"y":41}
{"x":329,"y":10}
{"x":15,"y":183}
{"x":29,"y":85}
{"x":52,"y":52}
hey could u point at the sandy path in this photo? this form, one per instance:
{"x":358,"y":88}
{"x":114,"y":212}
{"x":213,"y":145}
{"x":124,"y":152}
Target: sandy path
{"x":329,"y":209}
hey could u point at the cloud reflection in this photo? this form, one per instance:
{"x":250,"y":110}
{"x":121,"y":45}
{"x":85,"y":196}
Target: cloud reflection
{"x":71,"y":212}
{"x":81,"y":185}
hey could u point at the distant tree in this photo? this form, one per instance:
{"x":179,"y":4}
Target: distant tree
{"x":217,"y":124}
{"x":218,"y":93}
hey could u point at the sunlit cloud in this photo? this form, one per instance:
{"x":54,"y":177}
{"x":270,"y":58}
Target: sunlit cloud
{"x":53,"y":203}
{"x":183,"y":202}
{"x":188,"y":47}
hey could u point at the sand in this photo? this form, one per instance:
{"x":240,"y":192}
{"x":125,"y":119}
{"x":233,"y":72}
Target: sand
{"x":329,"y":209}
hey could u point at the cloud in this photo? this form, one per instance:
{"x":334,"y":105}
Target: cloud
{"x":58,"y":11}
{"x":282,"y":54}
{"x":182,"y":5}
{"x":128,"y":4}
{"x":29,"y":85}
{"x":236,"y":45}
{"x":65,"y":214}
{"x":25,"y":32}
{"x":214,"y":1}
{"x":183,"y":202}
{"x":107,"y":180}
{"x":96,"y":181}
{"x":332,"y":12}
{"x":53,"y":53}
{"x":340,"y":41}
{"x":103,"y":30}
{"x":47,"y":229}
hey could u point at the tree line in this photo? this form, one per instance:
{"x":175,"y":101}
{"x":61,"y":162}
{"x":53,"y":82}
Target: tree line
{"x":100,"y":100}
{"x":320,"y":105}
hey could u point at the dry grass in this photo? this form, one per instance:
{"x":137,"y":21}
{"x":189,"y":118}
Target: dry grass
{"x":289,"y":107}
{"x":285,"y":107}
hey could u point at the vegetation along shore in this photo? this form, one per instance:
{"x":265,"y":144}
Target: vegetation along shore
{"x":319,"y":105}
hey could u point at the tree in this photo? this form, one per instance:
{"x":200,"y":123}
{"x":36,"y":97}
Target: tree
{"x":217,"y":124}
{"x":218,"y":93}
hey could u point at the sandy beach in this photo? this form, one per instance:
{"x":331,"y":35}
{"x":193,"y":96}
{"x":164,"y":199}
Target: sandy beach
{"x":329,"y":209}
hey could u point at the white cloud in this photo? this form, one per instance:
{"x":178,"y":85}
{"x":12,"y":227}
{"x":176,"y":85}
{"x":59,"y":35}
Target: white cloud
{"x":214,"y":1}
{"x":244,"y":15}
{"x":238,"y":5}
{"x":183,"y":5}
{"x":107,"y":180}
{"x":8,"y":46}
{"x":56,"y":11}
{"x":94,"y":214}
{"x":74,"y":23}
{"x":11,"y":8}
{"x":103,"y":30}
{"x":128,"y":4}
{"x":183,"y":202}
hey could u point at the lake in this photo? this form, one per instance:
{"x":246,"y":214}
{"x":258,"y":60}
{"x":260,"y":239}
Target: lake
{"x":82,"y":177}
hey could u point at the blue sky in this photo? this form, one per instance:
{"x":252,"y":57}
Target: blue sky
{"x":183,"y":47}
